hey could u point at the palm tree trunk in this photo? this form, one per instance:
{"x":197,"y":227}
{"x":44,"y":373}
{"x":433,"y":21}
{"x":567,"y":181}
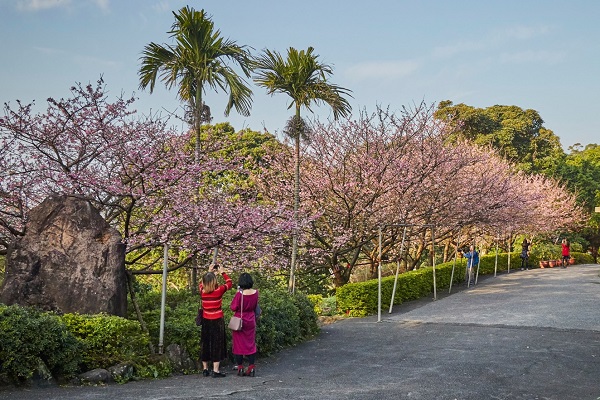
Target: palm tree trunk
{"x":197,"y":125}
{"x":198,"y":122}
{"x":292,"y":282}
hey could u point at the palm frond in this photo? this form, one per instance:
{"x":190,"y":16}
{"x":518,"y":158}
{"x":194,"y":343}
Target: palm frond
{"x":199,"y":58}
{"x":302,"y":77}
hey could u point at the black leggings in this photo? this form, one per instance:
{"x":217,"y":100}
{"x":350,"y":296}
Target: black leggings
{"x":524,"y":262}
{"x":239,"y":359}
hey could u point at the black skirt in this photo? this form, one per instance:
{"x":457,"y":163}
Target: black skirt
{"x":213,"y":341}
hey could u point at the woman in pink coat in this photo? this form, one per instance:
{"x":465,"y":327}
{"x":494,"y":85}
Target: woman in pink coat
{"x":244,"y":305}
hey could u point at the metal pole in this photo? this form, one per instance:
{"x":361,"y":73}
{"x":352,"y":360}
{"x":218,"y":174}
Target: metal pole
{"x":508,"y":270}
{"x":163,"y":299}
{"x":496,"y":261}
{"x":454,"y":264}
{"x":478,"y":261}
{"x":433,"y":257}
{"x":379,"y":278}
{"x":397,"y":270}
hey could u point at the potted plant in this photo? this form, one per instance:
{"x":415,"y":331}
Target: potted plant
{"x":575,"y":247}
{"x":544,"y":253}
{"x":556,"y":255}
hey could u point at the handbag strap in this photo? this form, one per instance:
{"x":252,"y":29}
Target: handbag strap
{"x":242,"y":306}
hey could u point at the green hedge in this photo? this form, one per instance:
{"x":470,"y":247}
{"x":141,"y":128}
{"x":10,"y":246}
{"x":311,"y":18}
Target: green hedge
{"x":180,"y":312}
{"x":30,"y":339}
{"x":582,"y":258}
{"x":361,"y":299}
{"x":107,"y":340}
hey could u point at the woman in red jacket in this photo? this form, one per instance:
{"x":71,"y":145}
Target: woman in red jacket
{"x":212,"y":337}
{"x":566,"y":252}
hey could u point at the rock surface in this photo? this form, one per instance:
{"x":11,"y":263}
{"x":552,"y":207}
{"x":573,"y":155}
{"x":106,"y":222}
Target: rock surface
{"x":179,"y":358}
{"x":70,"y":260}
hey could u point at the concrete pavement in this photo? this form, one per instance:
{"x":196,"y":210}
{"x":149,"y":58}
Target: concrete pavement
{"x":524,"y":335}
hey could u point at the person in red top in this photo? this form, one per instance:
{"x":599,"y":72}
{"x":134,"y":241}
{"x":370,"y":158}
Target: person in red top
{"x":212,"y":336}
{"x":566,"y":252}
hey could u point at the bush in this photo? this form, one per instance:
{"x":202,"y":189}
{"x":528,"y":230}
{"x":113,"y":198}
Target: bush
{"x":325,"y":306}
{"x":583,"y":258}
{"x":107,"y":340}
{"x":308,"y":317}
{"x":286,"y":320}
{"x":28,"y":337}
{"x":180,"y":313}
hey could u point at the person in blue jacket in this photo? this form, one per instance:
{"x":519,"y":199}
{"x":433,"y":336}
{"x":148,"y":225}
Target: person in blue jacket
{"x":472,"y":257}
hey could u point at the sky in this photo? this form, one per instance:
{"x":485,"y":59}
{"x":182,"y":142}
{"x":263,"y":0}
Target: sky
{"x":535,"y":54}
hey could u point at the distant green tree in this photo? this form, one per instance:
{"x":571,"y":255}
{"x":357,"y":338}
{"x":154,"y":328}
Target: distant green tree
{"x":518,"y":135}
{"x":250,"y":148}
{"x":581,"y":174}
{"x":302,"y":77}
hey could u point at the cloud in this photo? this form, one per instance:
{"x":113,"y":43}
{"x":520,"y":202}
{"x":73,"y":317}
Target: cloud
{"x":49,"y":50}
{"x":522,"y":32}
{"x":457,"y":48}
{"x":102,"y":4}
{"x":37,"y":5}
{"x":494,"y":39}
{"x":382,"y":69}
{"x":40,"y":5}
{"x":529,"y":56}
{"x":78,"y":58}
{"x":162,"y":6}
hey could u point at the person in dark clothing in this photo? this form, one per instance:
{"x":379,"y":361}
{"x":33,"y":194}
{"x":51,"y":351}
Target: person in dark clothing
{"x":472,"y":261}
{"x":525,"y":248}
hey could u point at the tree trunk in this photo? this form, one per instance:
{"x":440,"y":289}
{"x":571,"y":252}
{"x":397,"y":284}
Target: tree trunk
{"x":292,"y":282}
{"x":446,"y":251}
{"x":137,"y":309}
{"x":341,"y":276}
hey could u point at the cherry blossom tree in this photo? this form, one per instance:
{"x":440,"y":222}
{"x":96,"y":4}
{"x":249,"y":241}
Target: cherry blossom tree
{"x":139,"y":173}
{"x":385,"y":170}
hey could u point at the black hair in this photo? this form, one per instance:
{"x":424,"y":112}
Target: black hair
{"x":245,"y":281}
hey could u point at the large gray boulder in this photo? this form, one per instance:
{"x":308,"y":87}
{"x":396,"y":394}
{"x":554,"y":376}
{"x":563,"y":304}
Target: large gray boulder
{"x":70,"y":260}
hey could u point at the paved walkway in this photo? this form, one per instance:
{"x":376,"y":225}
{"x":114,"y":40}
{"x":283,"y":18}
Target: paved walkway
{"x":524,"y":335}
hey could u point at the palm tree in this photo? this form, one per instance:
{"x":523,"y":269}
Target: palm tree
{"x":302,"y":77}
{"x":196,"y":61}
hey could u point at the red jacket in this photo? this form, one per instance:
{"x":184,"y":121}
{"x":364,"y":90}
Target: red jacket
{"x":565,"y":249}
{"x":212,"y":303}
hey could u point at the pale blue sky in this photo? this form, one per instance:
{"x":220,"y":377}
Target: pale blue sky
{"x":540,"y":54}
